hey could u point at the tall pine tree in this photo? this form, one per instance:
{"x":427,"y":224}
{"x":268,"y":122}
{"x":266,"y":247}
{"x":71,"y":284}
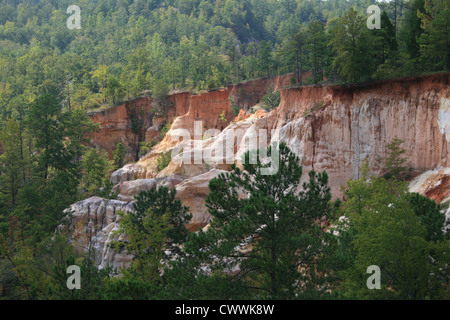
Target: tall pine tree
{"x":435,"y":41}
{"x":268,"y":243}
{"x":353,"y":44}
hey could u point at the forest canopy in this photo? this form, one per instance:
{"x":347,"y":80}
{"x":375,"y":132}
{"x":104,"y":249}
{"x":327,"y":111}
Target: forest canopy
{"x":125,"y":48}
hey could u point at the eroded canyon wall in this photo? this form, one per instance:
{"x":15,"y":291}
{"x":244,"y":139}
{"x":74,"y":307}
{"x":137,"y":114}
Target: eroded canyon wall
{"x":330,"y":127}
{"x":334,"y":128}
{"x":136,"y":121}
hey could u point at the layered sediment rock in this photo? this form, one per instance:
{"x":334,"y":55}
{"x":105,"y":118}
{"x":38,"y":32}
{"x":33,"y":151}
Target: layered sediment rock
{"x":95,"y":221}
{"x":334,"y":128}
{"x":138,"y":121}
{"x":330,"y":127}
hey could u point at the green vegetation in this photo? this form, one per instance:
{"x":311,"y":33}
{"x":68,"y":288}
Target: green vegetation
{"x":45,"y":167}
{"x":145,"y":147}
{"x":97,"y":168}
{"x":235,"y":110}
{"x":119,"y":154}
{"x":354,"y":47}
{"x":262,"y":246}
{"x":274,"y":234}
{"x":163,"y":160}
{"x":271,"y":99}
{"x":394,"y":165}
{"x":273,"y":243}
{"x":165,"y":129}
{"x":397,"y":231}
{"x":222,"y":117}
{"x":125,"y":49}
{"x":234,"y":107}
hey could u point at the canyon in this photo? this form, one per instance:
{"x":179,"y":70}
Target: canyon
{"x":330,"y":127}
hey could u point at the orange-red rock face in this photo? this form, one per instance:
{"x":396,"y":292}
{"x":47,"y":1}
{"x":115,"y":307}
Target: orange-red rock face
{"x":182,"y":110}
{"x":178,"y":105}
{"x":332,"y":128}
{"x":116,"y":126}
{"x":207,"y":108}
{"x":115,"y":122}
{"x":247,"y":94}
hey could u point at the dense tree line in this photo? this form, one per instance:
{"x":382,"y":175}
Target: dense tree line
{"x":125,"y":48}
{"x":274,"y":243}
{"x":45,"y":165}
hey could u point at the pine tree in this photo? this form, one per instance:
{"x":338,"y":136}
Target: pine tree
{"x":59,"y":138}
{"x":410,"y":35}
{"x":161,"y":201}
{"x":395,"y":164}
{"x":430,"y":215}
{"x":268,"y":243}
{"x":44,"y":123}
{"x":119,"y":154}
{"x":265,"y":58}
{"x":156,"y":213}
{"x":353,"y":44}
{"x":435,"y":40}
{"x":387,"y":227}
{"x":293,"y":48}
{"x":146,"y":239}
{"x":96,"y":169}
{"x":12,"y":162}
{"x":316,"y":43}
{"x":386,"y":48}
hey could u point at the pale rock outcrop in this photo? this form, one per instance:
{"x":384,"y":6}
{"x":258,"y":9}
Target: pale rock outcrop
{"x":126,"y":173}
{"x":434,"y":184}
{"x":192,"y":193}
{"x":193,"y":155}
{"x":129,"y":189}
{"x":444,"y":117}
{"x":93,"y":221}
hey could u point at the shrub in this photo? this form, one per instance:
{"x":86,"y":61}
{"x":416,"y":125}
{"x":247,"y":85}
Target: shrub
{"x":163,"y":161}
{"x":271,"y":100}
{"x":164,"y":129}
{"x":235,"y":109}
{"x":119,"y":155}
